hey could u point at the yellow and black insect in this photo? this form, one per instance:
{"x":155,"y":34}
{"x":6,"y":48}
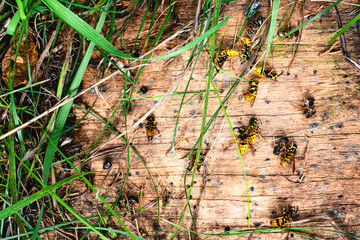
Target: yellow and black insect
{"x":268,"y":72}
{"x":151,"y":127}
{"x":279,"y":222}
{"x":246,"y":50}
{"x":243,"y":139}
{"x":254,"y":25}
{"x":199,"y":163}
{"x":280,"y":146}
{"x":224,"y":56}
{"x":288,"y":155}
{"x":308,"y":107}
{"x":250,"y":93}
{"x":289,"y":213}
{"x":254,"y":129}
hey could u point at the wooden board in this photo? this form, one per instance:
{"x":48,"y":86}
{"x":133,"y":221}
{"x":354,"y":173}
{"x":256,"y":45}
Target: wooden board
{"x":328,"y":193}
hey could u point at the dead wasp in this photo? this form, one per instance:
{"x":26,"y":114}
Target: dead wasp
{"x":288,"y":156}
{"x":127,"y":202}
{"x":254,"y":25}
{"x":250,"y":93}
{"x":199,"y":163}
{"x":151,"y":127}
{"x":246,"y":50}
{"x":280,"y":145}
{"x":288,"y":214}
{"x":268,"y":72}
{"x":308,"y":107}
{"x":254,"y":129}
{"x":279,"y":222}
{"x":242,"y":138}
{"x":224,"y":56}
{"x":252,"y":8}
{"x":285,"y":30}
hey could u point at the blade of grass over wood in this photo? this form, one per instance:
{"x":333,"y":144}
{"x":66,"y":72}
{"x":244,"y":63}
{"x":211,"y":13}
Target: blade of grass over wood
{"x":311,"y":20}
{"x":343,"y":29}
{"x":86,"y":30}
{"x":272,"y":26}
{"x":230,"y":91}
{"x":206,"y":97}
{"x":237,"y":146}
{"x":32,"y":198}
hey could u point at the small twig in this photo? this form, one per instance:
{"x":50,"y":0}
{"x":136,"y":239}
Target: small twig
{"x":252,"y":233}
{"x":64,"y":101}
{"x":306,"y":157}
{"x":329,"y":50}
{"x":343,"y":43}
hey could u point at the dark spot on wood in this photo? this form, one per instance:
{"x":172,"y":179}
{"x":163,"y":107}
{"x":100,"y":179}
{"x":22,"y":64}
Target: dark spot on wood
{"x":313,"y":125}
{"x":340,"y":196}
{"x":267,"y":159}
{"x":285,"y":198}
{"x":262,"y":176}
{"x":345,"y":76}
{"x":330,"y":98}
{"x":137,"y":173}
{"x":347,"y":83}
{"x":188,"y":186}
{"x":313,"y":165}
{"x":257,"y":224}
{"x":296,"y":76}
{"x":340,"y":125}
{"x":190,"y":197}
{"x":351,"y":107}
{"x":288,"y":74}
{"x":315,"y":71}
{"x":267,"y":101}
{"x":171,"y":183}
{"x":144,"y":89}
{"x":251,"y":188}
{"x":107,"y":164}
{"x":227,"y":229}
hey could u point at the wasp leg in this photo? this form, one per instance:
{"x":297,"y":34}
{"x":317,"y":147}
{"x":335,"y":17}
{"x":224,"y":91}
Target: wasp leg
{"x":253,"y":149}
{"x":231,"y":65}
{"x":251,"y":104}
{"x":261,"y":136}
{"x":228,"y":146}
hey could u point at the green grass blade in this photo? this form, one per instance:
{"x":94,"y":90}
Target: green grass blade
{"x":312,"y":19}
{"x":32,"y":198}
{"x":343,"y":29}
{"x":272,"y":26}
{"x":86,"y":30}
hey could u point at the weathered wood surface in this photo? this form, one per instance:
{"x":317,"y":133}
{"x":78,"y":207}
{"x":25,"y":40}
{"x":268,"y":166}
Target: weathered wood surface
{"x":332,"y":169}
